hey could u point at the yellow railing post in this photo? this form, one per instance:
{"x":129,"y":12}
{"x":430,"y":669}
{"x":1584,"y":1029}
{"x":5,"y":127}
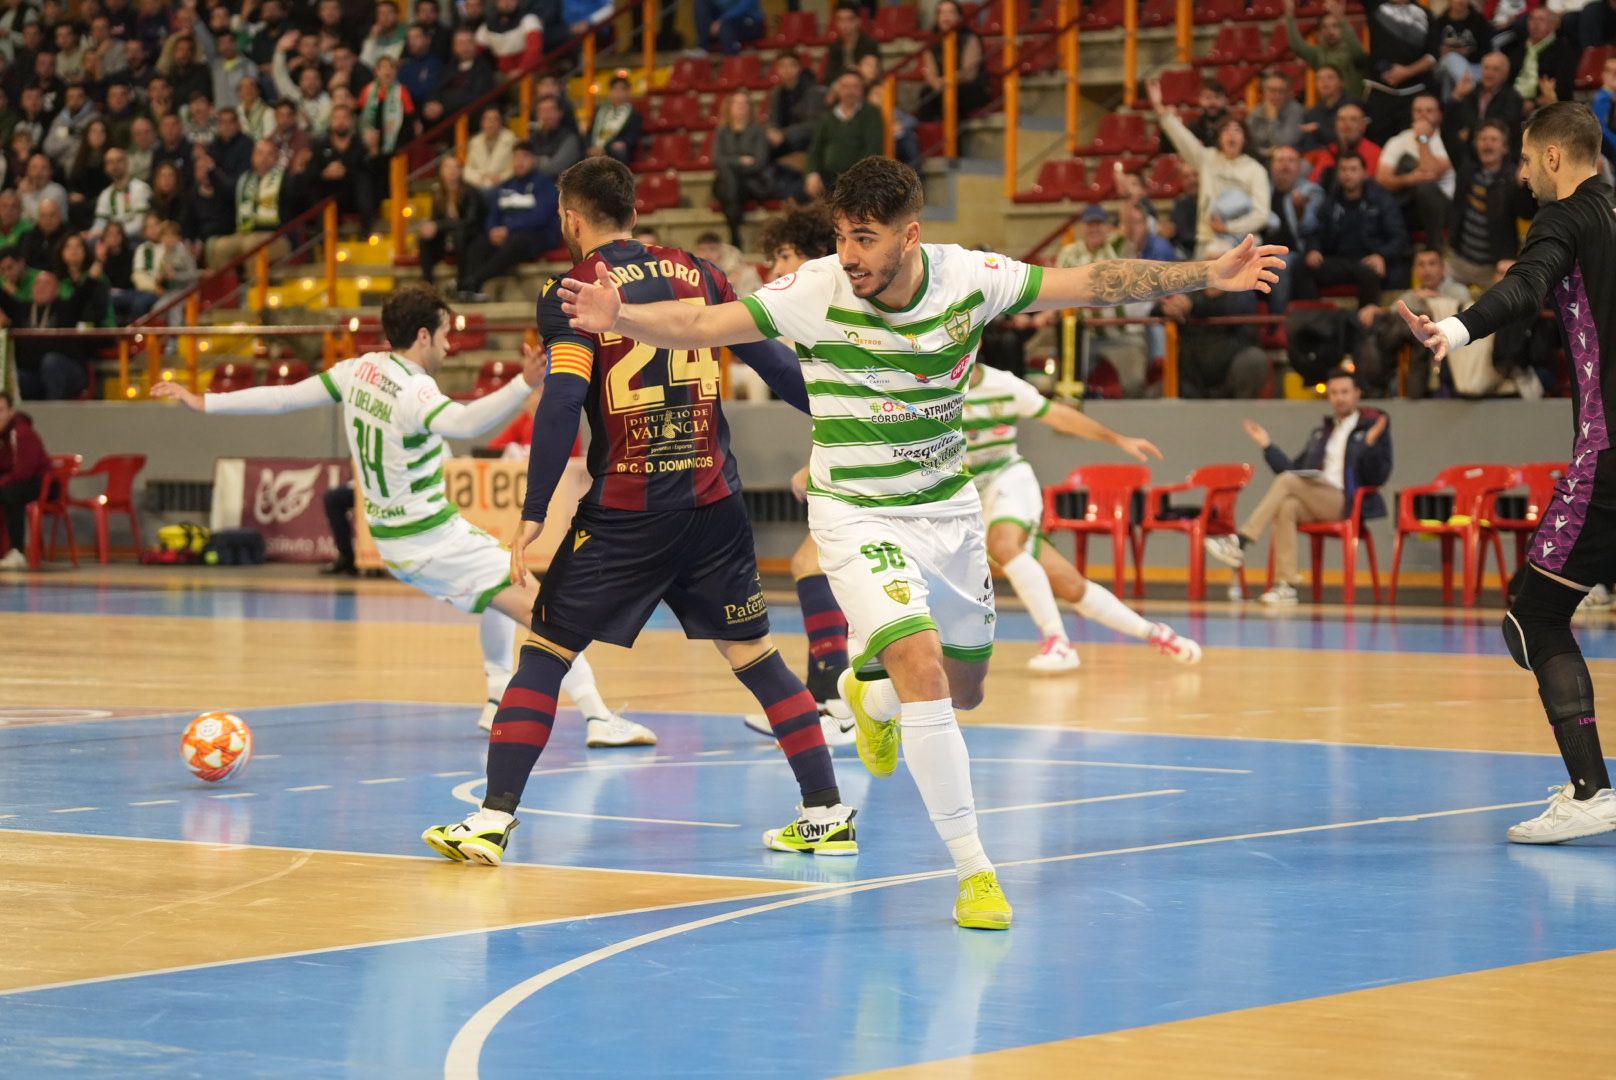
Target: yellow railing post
{"x":650,"y":16}
{"x":1185,"y":25}
{"x":951,"y":96}
{"x":1012,"y":98}
{"x":154,"y":360}
{"x":591,"y":84}
{"x":524,"y":105}
{"x":123,"y":366}
{"x":260,"y":283}
{"x":889,"y":102}
{"x":329,"y":225}
{"x":193,"y":315}
{"x":1130,"y":49}
{"x":462,"y":135}
{"x":1070,"y":61}
{"x":1170,"y":362}
{"x":398,"y":190}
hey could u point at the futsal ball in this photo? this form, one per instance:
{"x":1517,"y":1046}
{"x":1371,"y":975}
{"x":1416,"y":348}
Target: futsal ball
{"x":216,"y":746}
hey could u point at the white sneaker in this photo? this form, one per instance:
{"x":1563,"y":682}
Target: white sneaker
{"x":817,"y":830}
{"x":1568,"y":818}
{"x":615,"y":730}
{"x":1281,"y":595}
{"x":1057,"y":655}
{"x":486,"y":720}
{"x":14,"y":560}
{"x":1598,"y":598}
{"x":479,"y":839}
{"x":835,"y":718}
{"x":1225,"y":549}
{"x":1165,"y":641}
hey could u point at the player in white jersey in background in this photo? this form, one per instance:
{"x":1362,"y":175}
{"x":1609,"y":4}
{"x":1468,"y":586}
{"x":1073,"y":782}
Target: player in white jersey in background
{"x":887,"y":330}
{"x":395,"y":418}
{"x":1013,"y":507}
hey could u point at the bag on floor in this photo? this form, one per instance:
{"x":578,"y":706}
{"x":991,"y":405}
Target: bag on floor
{"x":235,"y":547}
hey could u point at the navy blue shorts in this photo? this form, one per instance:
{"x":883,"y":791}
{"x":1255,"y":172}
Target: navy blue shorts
{"x":614,"y":566}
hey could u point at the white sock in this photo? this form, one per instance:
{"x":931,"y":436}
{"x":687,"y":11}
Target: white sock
{"x":941,"y":766}
{"x":881,"y":699}
{"x":1032,"y":585}
{"x":497,"y":632}
{"x":579,"y":685}
{"x":1102,"y":606}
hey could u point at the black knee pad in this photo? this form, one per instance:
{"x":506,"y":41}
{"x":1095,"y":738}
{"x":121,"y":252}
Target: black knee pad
{"x":1538,"y":624}
{"x":1565,"y":688}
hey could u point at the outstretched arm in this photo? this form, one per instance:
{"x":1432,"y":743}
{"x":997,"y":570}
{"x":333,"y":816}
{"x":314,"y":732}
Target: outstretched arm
{"x":779,"y":367}
{"x":594,"y":307}
{"x":1126,"y":281}
{"x":256,"y":400}
{"x":1068,"y":421}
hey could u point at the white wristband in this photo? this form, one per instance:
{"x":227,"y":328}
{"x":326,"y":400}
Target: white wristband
{"x":1454,"y":330}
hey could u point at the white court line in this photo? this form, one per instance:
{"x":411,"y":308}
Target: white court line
{"x":1109,"y":765}
{"x":465,"y":1052}
{"x":384,"y":780}
{"x":1079,"y":802}
{"x":236,"y":795}
{"x":311,"y":787}
{"x":75,"y":810}
{"x":6,"y":817}
{"x":463,"y":792}
{"x":155,"y":802}
{"x":458,"y":772}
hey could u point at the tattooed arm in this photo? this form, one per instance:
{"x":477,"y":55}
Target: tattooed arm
{"x":1125,"y":281}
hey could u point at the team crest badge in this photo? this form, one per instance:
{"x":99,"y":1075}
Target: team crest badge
{"x":898,"y":590}
{"x":958,"y":326}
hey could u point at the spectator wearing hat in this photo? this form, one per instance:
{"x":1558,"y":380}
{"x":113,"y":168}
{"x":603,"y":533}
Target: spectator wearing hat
{"x":522,"y":225}
{"x":1123,"y":347}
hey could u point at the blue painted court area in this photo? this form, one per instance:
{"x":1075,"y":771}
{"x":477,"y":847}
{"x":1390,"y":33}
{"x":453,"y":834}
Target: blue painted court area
{"x":1154,"y":878}
{"x":1251,"y":625}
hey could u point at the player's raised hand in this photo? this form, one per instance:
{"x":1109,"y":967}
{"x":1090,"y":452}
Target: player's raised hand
{"x":1138,"y":449}
{"x":1425,"y":331}
{"x":172,"y":391}
{"x":535,"y":365}
{"x":526,"y":533}
{"x":1247,"y":266}
{"x":592,"y":306}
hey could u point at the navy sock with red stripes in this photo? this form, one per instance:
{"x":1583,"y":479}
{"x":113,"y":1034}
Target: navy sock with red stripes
{"x":827,"y":635}
{"x":522,"y":726}
{"x":795,"y":719}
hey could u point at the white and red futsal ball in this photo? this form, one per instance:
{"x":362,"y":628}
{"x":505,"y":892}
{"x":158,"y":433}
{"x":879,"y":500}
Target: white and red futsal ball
{"x":216,"y":746}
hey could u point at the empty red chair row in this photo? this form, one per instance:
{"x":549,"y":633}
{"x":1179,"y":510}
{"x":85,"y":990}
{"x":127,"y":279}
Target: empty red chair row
{"x":658,"y":191}
{"x":676,"y":150}
{"x":1120,"y":133}
{"x":55,"y":500}
{"x":743,"y":71}
{"x":1591,"y":69}
{"x":676,"y":112}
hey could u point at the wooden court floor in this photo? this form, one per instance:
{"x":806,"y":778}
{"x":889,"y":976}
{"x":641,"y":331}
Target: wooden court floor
{"x":1288,"y":858}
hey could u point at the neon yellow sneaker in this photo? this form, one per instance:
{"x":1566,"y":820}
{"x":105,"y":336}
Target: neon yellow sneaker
{"x":818,"y":830}
{"x":877,"y":739}
{"x":981,"y":904}
{"x":480,"y":839}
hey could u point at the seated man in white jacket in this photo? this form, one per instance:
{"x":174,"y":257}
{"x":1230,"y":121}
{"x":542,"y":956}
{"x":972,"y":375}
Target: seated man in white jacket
{"x":396,"y":420}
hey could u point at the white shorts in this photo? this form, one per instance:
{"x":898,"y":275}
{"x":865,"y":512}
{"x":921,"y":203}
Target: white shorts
{"x":897,"y":575}
{"x":457,"y":563}
{"x":1012,"y":494}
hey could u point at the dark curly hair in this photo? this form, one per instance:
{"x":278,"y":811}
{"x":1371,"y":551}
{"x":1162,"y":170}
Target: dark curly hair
{"x":807,"y":231}
{"x":878,"y":191}
{"x":410,"y":310}
{"x":601,"y":189}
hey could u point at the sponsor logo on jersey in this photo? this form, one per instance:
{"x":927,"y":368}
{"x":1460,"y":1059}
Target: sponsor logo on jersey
{"x":282,"y":496}
{"x":853,"y":336}
{"x":991,"y":262}
{"x":782,"y":282}
{"x":370,"y":373}
{"x":898,"y":590}
{"x":580,"y":540}
{"x":734,"y":614}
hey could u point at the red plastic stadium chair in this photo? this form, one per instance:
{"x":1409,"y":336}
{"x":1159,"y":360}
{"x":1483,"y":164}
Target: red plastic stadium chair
{"x":1120,"y":133}
{"x":743,"y":71}
{"x":1057,"y":180}
{"x":667,"y":150}
{"x":117,"y":497}
{"x":52,"y":503}
{"x":1181,"y":87}
{"x":689,"y":74}
{"x":1158,"y":13}
{"x":1110,"y":490}
{"x":1475,"y":492}
{"x":1221,"y":486}
{"x":230,"y":376}
{"x":657,"y":192}
{"x":796,"y":29}
{"x":1166,"y":177}
{"x":493,"y":375}
{"x":1234,"y":78}
{"x":286,"y":372}
{"x":1102,"y":15}
{"x":1233,"y":45}
{"x":1349,"y":531}
{"x":1539,"y":479}
{"x":1591,"y":69}
{"x":892,"y":23}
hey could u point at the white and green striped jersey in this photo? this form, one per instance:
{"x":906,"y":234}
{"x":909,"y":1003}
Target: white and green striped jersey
{"x":992,"y":408}
{"x":388,"y":405}
{"x":885,"y":386}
